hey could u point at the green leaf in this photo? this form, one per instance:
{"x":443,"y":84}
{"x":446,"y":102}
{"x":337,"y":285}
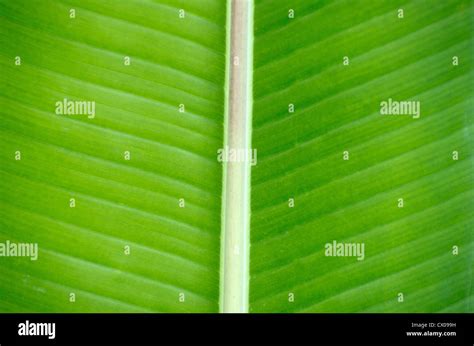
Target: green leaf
{"x":118,"y":202}
{"x":408,"y":250}
{"x":131,"y":210}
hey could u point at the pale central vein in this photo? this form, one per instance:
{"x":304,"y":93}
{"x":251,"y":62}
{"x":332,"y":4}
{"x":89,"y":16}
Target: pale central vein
{"x":235,"y":243}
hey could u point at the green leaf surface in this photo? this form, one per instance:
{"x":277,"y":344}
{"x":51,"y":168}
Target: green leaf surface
{"x":119,"y":202}
{"x":143,"y":233}
{"x":408,"y":249}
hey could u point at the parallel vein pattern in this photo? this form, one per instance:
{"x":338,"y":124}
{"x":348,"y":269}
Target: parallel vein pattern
{"x":164,"y":106}
{"x":332,"y":168}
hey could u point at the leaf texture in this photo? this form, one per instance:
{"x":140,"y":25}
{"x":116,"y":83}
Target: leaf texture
{"x":125,"y":205}
{"x":319,"y":80}
{"x":173,"y":263}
